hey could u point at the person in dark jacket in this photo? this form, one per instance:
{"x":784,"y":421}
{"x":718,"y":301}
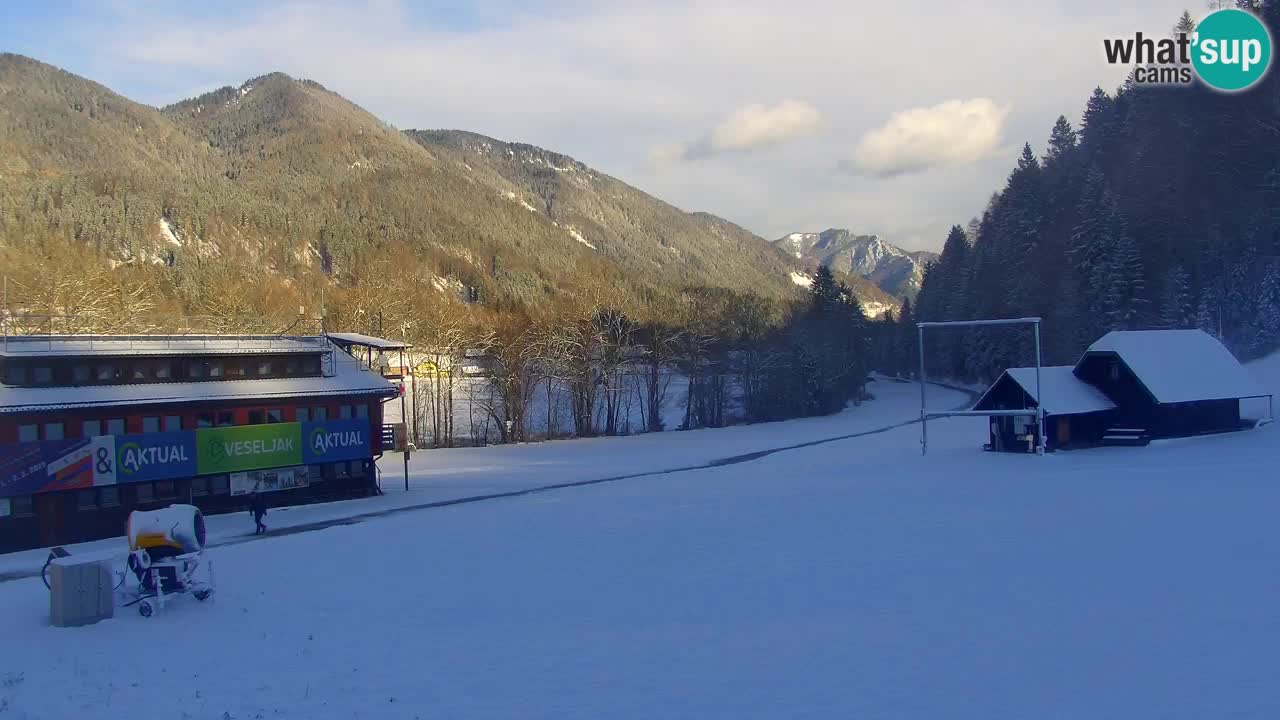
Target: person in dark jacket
{"x":258,"y":506}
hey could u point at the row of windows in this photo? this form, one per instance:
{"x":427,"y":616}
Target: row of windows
{"x":139,"y":370}
{"x":35,"y":432}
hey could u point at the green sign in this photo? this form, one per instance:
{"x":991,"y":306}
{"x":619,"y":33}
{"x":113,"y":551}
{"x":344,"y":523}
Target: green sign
{"x":248,"y":447}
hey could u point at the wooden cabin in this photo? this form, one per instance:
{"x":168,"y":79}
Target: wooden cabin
{"x":1128,"y":388}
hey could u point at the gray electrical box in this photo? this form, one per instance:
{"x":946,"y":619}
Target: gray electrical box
{"x":80,"y":593}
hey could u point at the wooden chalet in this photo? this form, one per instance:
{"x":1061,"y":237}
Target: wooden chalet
{"x":1129,"y":387}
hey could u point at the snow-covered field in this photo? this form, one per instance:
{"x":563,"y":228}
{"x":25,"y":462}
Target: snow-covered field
{"x":854,"y":578}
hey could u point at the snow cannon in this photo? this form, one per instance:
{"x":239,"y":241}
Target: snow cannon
{"x":179,"y":529}
{"x":163,"y":544}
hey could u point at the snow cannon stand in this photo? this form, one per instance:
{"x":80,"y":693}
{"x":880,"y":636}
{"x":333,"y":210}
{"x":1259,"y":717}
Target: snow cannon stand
{"x":166,"y":557}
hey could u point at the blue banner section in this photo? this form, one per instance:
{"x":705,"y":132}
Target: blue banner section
{"x":155,"y":456}
{"x":28,"y":468}
{"x":335,"y":440}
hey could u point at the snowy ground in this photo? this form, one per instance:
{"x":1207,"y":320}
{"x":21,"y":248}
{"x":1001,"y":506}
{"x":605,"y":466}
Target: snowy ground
{"x":848,"y":579}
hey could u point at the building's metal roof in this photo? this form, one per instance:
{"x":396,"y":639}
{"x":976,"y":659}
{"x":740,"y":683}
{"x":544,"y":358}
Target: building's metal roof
{"x":157,"y":345}
{"x":349,"y":378}
{"x":1179,"y":365}
{"x":368,"y":341}
{"x":1064,"y":393}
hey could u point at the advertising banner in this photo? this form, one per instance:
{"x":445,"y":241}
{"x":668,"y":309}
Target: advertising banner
{"x":28,"y":468}
{"x":335,"y":440}
{"x":155,"y":456}
{"x":243,"y":483}
{"x":247,"y":447}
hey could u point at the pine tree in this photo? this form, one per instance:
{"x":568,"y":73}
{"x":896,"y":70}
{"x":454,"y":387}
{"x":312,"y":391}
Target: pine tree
{"x":907,"y":339}
{"x":1269,"y":311}
{"x":1177,"y":308}
{"x":1185,"y":24}
{"x":1062,"y":140}
{"x":1126,"y":292}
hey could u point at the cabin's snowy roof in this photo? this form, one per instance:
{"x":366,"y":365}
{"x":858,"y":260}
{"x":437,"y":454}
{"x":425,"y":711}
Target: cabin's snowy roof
{"x":367,"y":341}
{"x":1064,"y":393}
{"x":1179,"y":365}
{"x":101,"y":345}
{"x":349,"y":377}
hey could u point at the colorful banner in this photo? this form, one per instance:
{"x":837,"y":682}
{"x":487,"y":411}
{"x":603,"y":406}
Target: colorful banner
{"x":155,"y":456}
{"x":248,"y":447}
{"x":27,"y":468}
{"x":335,"y":440}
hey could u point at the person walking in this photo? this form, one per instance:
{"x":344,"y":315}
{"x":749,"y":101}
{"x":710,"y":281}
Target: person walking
{"x":258,"y":506}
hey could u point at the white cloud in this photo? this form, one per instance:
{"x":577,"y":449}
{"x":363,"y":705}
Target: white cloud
{"x":956,"y":132}
{"x":751,"y":127}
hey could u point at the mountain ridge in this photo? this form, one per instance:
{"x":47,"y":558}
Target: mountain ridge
{"x":896,"y":271}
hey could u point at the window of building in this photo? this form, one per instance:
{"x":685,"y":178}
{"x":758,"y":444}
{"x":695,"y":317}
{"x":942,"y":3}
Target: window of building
{"x":204,"y":420}
{"x":264,"y":368}
{"x":15,"y":374}
{"x":226,"y":419}
{"x":151,"y":424}
{"x":311,"y":365}
{"x":105,"y":373}
{"x":1113,"y":371}
{"x":275,"y":415}
{"x":199,"y":487}
{"x":219,"y":485}
{"x":87,"y":499}
{"x":215,"y":369}
{"x":320,"y":414}
{"x":344,"y":412}
{"x":115,"y":426}
{"x":165,"y":490}
{"x":109,"y":496}
{"x":197,"y":370}
{"x":303,"y":414}
{"x":80,"y":374}
{"x":140,"y":371}
{"x":256,"y":417}
{"x":172,"y":423}
{"x":315,"y":473}
{"x":42,"y":375}
{"x":291,"y":366}
{"x":91,"y":428}
{"x":28,"y":433}
{"x":341,"y":469}
{"x":54,"y":431}
{"x":362,"y":411}
{"x":20,"y":506}
{"x":144,"y":493}
{"x":164,"y":370}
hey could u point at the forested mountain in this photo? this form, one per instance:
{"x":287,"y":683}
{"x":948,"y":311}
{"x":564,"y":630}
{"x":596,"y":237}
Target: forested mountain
{"x":252,"y":202}
{"x":1160,"y":209}
{"x":896,"y":271}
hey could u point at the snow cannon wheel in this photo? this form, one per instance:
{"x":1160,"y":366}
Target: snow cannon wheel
{"x":202,"y":595}
{"x":146,"y":609}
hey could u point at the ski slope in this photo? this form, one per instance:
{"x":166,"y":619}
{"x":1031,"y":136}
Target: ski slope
{"x":853,"y":578}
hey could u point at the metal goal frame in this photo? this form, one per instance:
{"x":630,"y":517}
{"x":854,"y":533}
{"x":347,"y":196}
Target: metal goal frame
{"x":926,"y":413}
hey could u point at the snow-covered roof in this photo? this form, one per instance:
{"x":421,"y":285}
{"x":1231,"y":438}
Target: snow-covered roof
{"x":367,"y":341}
{"x":349,"y":378}
{"x":1064,"y":393}
{"x":1179,"y":365}
{"x":101,"y":345}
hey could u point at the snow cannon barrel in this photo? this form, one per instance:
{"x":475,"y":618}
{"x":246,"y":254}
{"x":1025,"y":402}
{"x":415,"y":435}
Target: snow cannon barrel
{"x":180,"y":527}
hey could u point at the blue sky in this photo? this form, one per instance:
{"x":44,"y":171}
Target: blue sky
{"x":892,"y":118}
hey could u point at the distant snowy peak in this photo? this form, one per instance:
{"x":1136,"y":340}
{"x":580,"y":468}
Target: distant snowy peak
{"x":896,"y":271}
